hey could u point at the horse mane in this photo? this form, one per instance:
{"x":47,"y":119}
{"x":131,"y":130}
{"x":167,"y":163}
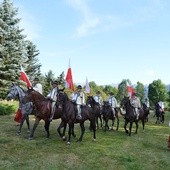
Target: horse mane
{"x":39,"y":95}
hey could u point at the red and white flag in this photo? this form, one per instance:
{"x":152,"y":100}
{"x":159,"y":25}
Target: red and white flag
{"x":87,"y":88}
{"x":24,"y":77}
{"x":130,"y":89}
{"x":69,"y":80}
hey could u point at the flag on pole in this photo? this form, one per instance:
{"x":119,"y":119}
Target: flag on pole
{"x":69,"y":80}
{"x":24,"y":77}
{"x":87,"y":88}
{"x":130,"y":89}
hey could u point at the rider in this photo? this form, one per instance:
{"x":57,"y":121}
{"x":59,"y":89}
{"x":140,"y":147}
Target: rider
{"x":98,"y":98}
{"x":53,"y":97}
{"x":135,"y":102}
{"x":79,"y":99}
{"x":113,"y":102}
{"x":37,"y":85}
{"x":147,"y":102}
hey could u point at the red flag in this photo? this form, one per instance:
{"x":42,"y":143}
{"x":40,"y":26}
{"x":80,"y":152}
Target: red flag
{"x":69,"y":79}
{"x":130,"y":90}
{"x":25,"y":78}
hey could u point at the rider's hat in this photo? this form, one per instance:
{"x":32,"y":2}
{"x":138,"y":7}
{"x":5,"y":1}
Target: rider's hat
{"x":111,"y":93}
{"x":36,"y":79}
{"x":79,"y":87}
{"x":55,"y":82}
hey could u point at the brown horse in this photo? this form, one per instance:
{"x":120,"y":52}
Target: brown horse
{"x":96,"y":107}
{"x":108,"y":114}
{"x":146,"y":110}
{"x":69,"y":116}
{"x":42,"y":109}
{"x":130,"y":116}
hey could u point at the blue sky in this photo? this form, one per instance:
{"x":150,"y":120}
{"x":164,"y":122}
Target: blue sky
{"x":106,"y":41}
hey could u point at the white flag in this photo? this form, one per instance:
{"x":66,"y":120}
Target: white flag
{"x":87,"y":86}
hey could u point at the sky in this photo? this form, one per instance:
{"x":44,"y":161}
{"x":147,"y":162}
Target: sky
{"x":106,"y":41}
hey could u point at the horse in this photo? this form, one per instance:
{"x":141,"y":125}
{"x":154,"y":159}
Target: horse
{"x":42,"y":110}
{"x":16,"y":91}
{"x":69,"y":116}
{"x":146,"y":110}
{"x":97,"y":109}
{"x":159,"y":114}
{"x":130,"y":116}
{"x":108,"y":114}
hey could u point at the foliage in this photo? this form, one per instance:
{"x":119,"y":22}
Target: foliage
{"x":15,"y":50}
{"x":157,"y":91}
{"x":6,"y":108}
{"x":122,"y":90}
{"x":140,"y":91}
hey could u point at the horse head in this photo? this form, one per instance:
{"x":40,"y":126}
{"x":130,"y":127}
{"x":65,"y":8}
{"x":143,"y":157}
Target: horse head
{"x":14,"y":92}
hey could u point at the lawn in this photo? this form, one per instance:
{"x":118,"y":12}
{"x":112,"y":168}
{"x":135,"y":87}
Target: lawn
{"x":113,"y":150}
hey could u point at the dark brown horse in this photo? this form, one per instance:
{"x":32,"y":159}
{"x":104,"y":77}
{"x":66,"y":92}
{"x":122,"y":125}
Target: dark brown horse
{"x":110,"y":114}
{"x":69,"y":116}
{"x":42,"y":109}
{"x":97,"y":109}
{"x":130,"y":116}
{"x":146,"y":110}
{"x":159,"y":114}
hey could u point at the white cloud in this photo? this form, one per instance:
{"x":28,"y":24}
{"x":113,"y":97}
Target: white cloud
{"x":90,"y":21}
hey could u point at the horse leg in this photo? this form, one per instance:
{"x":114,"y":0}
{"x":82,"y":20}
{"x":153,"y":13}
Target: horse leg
{"x":46,"y":126}
{"x":28,"y":123}
{"x":37,"y":120}
{"x":71,"y":125}
{"x":82,"y":132}
{"x":73,"y":133}
{"x":97,"y":123}
{"x":94,"y":130}
{"x":117,"y":123}
{"x":130,"y":128}
{"x":62,"y":124}
{"x":101,"y":122}
{"x":106,"y":125}
{"x":136,"y":122}
{"x":21,"y":124}
{"x":126,"y":122}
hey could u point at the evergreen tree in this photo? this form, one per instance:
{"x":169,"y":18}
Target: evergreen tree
{"x":31,"y":62}
{"x":14,"y":49}
{"x":11,"y":45}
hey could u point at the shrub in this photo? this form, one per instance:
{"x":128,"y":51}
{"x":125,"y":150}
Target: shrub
{"x":7,"y":109}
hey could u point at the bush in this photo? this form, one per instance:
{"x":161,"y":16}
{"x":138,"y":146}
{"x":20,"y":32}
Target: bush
{"x":7,"y":109}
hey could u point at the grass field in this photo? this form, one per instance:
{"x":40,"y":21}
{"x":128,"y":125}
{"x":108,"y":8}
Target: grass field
{"x":113,"y":150}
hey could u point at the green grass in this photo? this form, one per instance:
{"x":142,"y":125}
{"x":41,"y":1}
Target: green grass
{"x":113,"y":150}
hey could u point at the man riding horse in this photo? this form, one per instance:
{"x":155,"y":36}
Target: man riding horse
{"x":135,"y":102}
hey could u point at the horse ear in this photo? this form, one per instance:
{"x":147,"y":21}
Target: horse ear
{"x":30,"y":88}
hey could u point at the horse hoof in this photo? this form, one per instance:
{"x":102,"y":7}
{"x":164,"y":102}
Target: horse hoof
{"x":94,"y":140}
{"x":30,"y":138}
{"x":64,"y":138}
{"x":18,"y":133}
{"x":68,"y":143}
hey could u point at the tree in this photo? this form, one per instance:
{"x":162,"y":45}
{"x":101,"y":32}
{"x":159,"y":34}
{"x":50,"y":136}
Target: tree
{"x":122,"y":89}
{"x":11,"y":46}
{"x":140,"y":91}
{"x":31,"y":60}
{"x":157,"y":91}
{"x":14,"y":49}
